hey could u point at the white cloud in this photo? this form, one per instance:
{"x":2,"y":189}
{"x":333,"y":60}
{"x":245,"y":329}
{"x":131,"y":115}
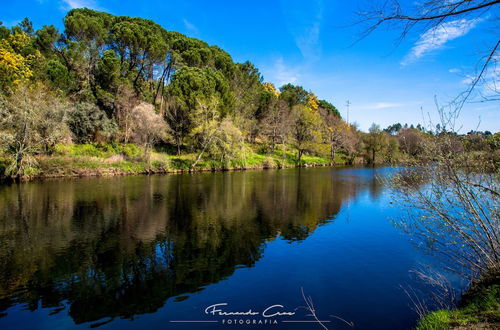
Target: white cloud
{"x":489,"y":84}
{"x":303,"y":20}
{"x":72,"y":4}
{"x":454,"y":70}
{"x":308,"y":42}
{"x":281,"y":74}
{"x":379,"y":106}
{"x":190,"y":26}
{"x":437,"y":37}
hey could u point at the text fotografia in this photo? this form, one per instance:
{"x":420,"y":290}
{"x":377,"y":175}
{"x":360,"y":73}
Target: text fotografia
{"x":222,"y":314}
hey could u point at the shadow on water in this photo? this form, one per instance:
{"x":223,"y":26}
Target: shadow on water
{"x":119,"y":247}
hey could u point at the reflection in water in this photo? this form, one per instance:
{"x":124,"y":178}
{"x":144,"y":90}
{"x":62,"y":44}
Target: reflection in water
{"x":118,"y":247}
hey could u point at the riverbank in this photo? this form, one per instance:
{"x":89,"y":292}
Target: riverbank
{"x":87,"y":160}
{"x":479,"y":308}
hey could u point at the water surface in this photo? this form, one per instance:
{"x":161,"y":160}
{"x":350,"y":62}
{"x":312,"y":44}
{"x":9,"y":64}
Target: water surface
{"x":141,"y":252}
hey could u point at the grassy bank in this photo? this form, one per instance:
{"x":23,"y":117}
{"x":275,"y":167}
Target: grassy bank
{"x":478,"y":309}
{"x":123,"y":159}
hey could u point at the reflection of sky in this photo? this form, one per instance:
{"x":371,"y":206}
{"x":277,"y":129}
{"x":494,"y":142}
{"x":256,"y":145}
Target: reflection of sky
{"x":352,"y":264}
{"x":352,"y":267}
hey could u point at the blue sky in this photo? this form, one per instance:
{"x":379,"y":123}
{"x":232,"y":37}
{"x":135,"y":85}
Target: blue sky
{"x":309,"y":43}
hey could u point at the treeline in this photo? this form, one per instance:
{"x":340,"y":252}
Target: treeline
{"x":117,"y":79}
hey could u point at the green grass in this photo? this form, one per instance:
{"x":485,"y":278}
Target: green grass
{"x":439,"y":320}
{"x":98,"y":150}
{"x":115,"y":158}
{"x":481,"y":304}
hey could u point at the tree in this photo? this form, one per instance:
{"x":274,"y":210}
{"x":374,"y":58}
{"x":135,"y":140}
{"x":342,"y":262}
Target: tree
{"x":58,"y":75}
{"x":335,"y":130}
{"x":293,"y":95}
{"x":46,"y":39}
{"x":305,"y":129}
{"x":32,"y":120}
{"x":391,"y":149}
{"x":87,"y":123}
{"x":353,"y":143}
{"x":411,"y":141}
{"x":125,"y":101}
{"x":246,"y":84}
{"x":148,"y":127}
{"x":276,"y":124}
{"x":191,"y":87}
{"x":228,"y":143}
{"x":26,"y":26}
{"x":15,"y":67}
{"x":393,"y":129}
{"x":86,"y":33}
{"x":329,"y":107}
{"x":177,"y":119}
{"x":206,"y":123}
{"x":374,"y":141}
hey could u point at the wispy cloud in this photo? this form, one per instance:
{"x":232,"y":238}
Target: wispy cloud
{"x":190,"y":27}
{"x":454,"y":70}
{"x":281,"y":74}
{"x":437,"y":37}
{"x":489,"y":84}
{"x":308,"y":42}
{"x":304,"y":23}
{"x":72,"y":4}
{"x":380,"y":105}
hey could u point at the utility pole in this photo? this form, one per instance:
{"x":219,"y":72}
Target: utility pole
{"x":348,"y":104}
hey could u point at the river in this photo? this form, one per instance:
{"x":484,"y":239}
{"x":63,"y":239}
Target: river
{"x":235,"y":250}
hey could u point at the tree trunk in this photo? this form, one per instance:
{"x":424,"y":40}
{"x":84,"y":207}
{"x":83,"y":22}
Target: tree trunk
{"x":284,"y":153}
{"x":202,"y":151}
{"x":178,"y":142}
{"x":147,"y":155}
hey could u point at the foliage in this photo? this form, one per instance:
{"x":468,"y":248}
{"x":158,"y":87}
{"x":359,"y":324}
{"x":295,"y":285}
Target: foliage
{"x":293,"y":95}
{"x":276,"y":123}
{"x":335,"y":131}
{"x":87,"y":123}
{"x":305,"y":129}
{"x":104,"y":68}
{"x":148,"y":127}
{"x":31,"y":121}
{"x":329,"y":108}
{"x":479,"y":307}
{"x":15,"y":64}
{"x":228,"y":144}
{"x":375,"y":141}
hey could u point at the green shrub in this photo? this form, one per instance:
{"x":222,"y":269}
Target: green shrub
{"x":86,"y":121}
{"x":131,"y":150}
{"x":269,"y":162}
{"x":160,"y":162}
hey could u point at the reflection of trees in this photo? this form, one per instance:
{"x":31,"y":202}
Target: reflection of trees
{"x":122,"y":246}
